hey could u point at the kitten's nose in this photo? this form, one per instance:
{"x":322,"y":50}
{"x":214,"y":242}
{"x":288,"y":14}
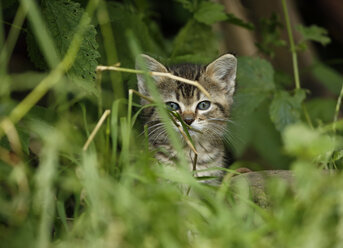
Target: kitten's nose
{"x":188,"y":118}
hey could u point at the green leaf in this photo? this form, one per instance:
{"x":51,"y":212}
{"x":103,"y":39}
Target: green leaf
{"x":5,"y":4}
{"x":63,"y":17}
{"x":122,"y":19}
{"x":195,"y":39}
{"x":255,"y":83}
{"x":34,"y":52}
{"x":314,"y":33}
{"x":210,"y":13}
{"x":188,"y":4}
{"x":256,"y":131}
{"x":231,"y":18}
{"x":321,"y":109}
{"x":285,"y":108}
{"x":305,"y":142}
{"x":327,"y":76}
{"x":270,"y":31}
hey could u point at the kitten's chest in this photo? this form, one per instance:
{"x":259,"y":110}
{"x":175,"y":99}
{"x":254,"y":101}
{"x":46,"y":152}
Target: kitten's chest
{"x":209,"y":156}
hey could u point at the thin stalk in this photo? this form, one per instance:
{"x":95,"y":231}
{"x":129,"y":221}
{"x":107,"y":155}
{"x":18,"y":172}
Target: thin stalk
{"x":292,"y":45}
{"x":96,"y":129}
{"x":338,"y":105}
{"x":129,"y":108}
{"x":8,"y":46}
{"x":110,"y":47}
{"x":98,"y":79}
{"x":307,"y":116}
{"x":114,"y":129}
{"x":154,"y":73}
{"x":12,"y":136}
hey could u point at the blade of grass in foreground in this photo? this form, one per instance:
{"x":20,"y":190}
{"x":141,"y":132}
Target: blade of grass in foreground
{"x":173,"y":137}
{"x":45,"y":192}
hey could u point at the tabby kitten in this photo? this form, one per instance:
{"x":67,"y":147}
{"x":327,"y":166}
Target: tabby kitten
{"x":199,"y":112}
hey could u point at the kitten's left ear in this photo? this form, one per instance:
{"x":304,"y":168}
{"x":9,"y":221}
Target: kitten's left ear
{"x":223,"y":72}
{"x":152,"y":65}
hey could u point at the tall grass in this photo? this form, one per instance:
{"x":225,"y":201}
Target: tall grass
{"x":114,"y":193}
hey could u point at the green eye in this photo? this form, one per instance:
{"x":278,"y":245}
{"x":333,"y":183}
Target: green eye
{"x":204,"y":105}
{"x":173,"y":106}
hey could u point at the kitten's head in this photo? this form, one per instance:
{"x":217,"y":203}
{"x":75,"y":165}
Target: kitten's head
{"x":209,"y":116}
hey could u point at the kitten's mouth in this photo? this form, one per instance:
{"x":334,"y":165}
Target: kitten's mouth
{"x":191,"y":129}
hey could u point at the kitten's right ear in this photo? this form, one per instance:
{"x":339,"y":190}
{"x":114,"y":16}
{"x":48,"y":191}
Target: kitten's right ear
{"x":223,"y":71}
{"x":152,"y":65}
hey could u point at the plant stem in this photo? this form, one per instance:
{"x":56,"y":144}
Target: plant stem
{"x":96,"y":129}
{"x":292,"y":45}
{"x":155,"y":73}
{"x":338,"y":105}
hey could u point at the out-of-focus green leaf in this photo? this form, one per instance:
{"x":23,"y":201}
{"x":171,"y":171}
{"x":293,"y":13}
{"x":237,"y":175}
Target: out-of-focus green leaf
{"x":210,"y":13}
{"x":195,"y":39}
{"x":307,"y":143}
{"x":231,"y":18}
{"x":314,"y":33}
{"x":321,"y":110}
{"x":123,"y":19}
{"x":330,"y":78}
{"x":188,"y":4}
{"x":256,"y":131}
{"x":255,"y":83}
{"x":285,"y":109}
{"x":270,"y":32}
{"x":5,"y":4}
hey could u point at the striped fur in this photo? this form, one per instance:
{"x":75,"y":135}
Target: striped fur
{"x":218,"y":78}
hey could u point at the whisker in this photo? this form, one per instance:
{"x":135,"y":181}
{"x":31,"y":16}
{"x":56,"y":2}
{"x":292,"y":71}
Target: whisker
{"x":155,"y":130}
{"x":163,"y":132}
{"x":149,"y":128}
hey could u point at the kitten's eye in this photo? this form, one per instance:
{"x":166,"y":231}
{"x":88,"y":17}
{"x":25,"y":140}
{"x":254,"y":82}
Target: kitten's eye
{"x":204,"y":105}
{"x":173,"y":106}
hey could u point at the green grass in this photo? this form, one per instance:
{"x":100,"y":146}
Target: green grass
{"x":55,"y":193}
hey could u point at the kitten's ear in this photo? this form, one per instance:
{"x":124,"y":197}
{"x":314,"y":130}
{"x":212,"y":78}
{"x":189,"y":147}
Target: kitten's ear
{"x":223,"y":72}
{"x":152,"y":65}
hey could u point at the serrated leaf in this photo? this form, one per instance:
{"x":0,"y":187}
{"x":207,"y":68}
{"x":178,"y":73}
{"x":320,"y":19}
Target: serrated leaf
{"x":195,"y":39}
{"x":210,"y":13}
{"x":285,"y":108}
{"x":314,"y":33}
{"x":255,"y":82}
{"x":63,"y":17}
